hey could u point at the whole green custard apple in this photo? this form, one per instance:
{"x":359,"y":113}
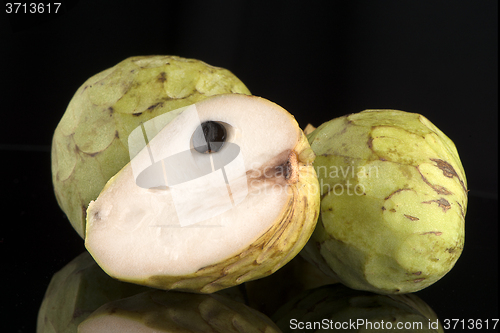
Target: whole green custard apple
{"x":393,"y":201}
{"x":90,"y":142}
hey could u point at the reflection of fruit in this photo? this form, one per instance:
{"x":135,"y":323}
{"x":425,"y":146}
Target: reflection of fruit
{"x":339,"y":308}
{"x":394,"y":198}
{"x":160,"y":311}
{"x":90,"y":143}
{"x":75,"y":292}
{"x":136,"y":234}
{"x":269,"y":293}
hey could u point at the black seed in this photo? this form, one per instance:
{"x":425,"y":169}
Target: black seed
{"x":209,"y":137}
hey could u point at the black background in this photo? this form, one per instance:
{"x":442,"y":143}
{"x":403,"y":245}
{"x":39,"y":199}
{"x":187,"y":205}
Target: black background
{"x":317,"y":59}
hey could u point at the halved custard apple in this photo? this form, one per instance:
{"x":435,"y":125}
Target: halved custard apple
{"x":222,"y":194}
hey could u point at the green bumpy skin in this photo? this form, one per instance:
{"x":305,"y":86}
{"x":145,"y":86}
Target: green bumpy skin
{"x":339,"y":305}
{"x":160,"y":311}
{"x":393,"y":201}
{"x":76,"y":291}
{"x":90,"y":143}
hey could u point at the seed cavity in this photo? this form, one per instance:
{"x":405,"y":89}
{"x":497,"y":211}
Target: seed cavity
{"x":209,"y":137}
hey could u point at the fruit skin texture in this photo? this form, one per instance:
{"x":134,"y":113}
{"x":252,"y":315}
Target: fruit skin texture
{"x":341,"y":305}
{"x":393,"y":201}
{"x":268,"y":253}
{"x":76,"y":291}
{"x":179,"y":312}
{"x":90,"y":142}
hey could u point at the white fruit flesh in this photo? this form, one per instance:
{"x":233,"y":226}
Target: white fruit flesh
{"x":135,"y":233}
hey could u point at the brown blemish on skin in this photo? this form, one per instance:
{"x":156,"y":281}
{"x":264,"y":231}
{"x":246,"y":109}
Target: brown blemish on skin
{"x":448,"y":170}
{"x":397,"y":191}
{"x":370,"y":143}
{"x":412,"y":218}
{"x":438,"y":188}
{"x":392,"y":210}
{"x":315,"y":216}
{"x":326,"y":193}
{"x":154,"y":106}
{"x":418,"y":280}
{"x":383,"y":208}
{"x":417,"y":273}
{"x":437,"y":233}
{"x":461,"y":209}
{"x":137,"y":114}
{"x":162,"y":77}
{"x":441,"y":189}
{"x":442,"y":203}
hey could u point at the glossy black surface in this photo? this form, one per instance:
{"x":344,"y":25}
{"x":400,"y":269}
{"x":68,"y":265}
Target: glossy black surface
{"x":318,"y":60}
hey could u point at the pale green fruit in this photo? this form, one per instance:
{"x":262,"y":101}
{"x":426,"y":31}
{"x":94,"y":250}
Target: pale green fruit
{"x":393,"y":201}
{"x":160,"y":311}
{"x":338,"y":308}
{"x":137,"y":233}
{"x":75,"y":292}
{"x":90,"y":143}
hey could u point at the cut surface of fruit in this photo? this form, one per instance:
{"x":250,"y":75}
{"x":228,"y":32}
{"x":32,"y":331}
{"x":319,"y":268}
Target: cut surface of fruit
{"x":218,"y":216}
